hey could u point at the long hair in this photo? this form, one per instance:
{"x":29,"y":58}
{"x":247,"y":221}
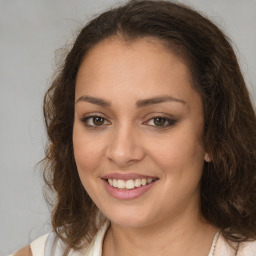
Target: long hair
{"x":228,"y":184}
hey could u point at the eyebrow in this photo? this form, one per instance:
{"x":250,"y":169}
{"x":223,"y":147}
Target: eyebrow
{"x":139,"y":103}
{"x":94,"y":100}
{"x":157,"y":100}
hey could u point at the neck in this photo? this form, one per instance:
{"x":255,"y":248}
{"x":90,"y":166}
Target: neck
{"x":192,"y":237}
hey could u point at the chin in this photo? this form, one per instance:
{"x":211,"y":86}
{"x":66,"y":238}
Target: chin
{"x":131,"y":218}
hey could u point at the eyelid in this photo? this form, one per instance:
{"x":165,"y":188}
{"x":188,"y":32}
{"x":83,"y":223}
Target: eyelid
{"x":169,"y":118}
{"x":163,"y":115}
{"x":172,"y":121}
{"x":92,"y":115}
{"x":98,"y":114}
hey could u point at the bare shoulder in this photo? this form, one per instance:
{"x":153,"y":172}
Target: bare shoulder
{"x":26,"y":251}
{"x":248,"y":248}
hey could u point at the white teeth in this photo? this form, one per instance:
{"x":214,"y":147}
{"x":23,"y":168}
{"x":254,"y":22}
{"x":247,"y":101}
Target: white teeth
{"x":149,"y":180}
{"x":129,"y":184}
{"x":114,"y":183}
{"x":121,"y":184}
{"x":137,"y":183}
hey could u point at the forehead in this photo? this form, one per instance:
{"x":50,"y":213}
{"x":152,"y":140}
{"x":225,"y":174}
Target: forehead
{"x":115,"y":48}
{"x":142,"y":68}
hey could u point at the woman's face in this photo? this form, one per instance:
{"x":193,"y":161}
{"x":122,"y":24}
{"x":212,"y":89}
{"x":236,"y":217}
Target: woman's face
{"x":138,"y":133}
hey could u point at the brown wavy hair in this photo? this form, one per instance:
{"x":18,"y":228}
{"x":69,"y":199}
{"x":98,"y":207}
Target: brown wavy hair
{"x":228,"y":184}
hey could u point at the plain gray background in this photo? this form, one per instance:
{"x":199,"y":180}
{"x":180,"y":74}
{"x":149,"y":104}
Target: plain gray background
{"x":30,"y":32}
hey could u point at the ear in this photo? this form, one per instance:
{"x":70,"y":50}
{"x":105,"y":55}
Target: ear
{"x":207,"y":158}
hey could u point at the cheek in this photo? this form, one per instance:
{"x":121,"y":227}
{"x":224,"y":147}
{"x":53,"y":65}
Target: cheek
{"x":180,"y":157}
{"x":87,"y":151}
{"x":177,"y":149}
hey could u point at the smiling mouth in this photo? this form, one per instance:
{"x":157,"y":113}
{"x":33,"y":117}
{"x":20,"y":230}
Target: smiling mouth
{"x":130,"y":184}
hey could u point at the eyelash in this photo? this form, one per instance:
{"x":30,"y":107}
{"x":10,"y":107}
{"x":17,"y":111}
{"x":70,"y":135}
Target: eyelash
{"x":85,"y":120}
{"x":170,"y":121}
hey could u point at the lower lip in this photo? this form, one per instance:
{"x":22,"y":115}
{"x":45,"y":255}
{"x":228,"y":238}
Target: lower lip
{"x":127,"y":194}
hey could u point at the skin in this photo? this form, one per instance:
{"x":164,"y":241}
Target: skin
{"x":129,"y":140}
{"x":26,"y":251}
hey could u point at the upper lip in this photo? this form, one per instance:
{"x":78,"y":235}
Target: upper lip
{"x":127,"y":176}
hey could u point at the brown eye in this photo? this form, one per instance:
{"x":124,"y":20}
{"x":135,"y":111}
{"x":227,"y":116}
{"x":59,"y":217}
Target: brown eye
{"x":94,"y":121}
{"x":98,"y":120}
{"x":160,"y":121}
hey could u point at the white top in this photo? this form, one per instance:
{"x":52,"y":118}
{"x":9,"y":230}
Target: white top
{"x":51,"y":245}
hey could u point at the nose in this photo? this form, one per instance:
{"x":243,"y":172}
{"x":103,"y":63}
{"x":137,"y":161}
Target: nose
{"x":124,"y":147}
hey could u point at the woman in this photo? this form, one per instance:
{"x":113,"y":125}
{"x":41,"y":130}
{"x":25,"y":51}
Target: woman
{"x":151,"y":140}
